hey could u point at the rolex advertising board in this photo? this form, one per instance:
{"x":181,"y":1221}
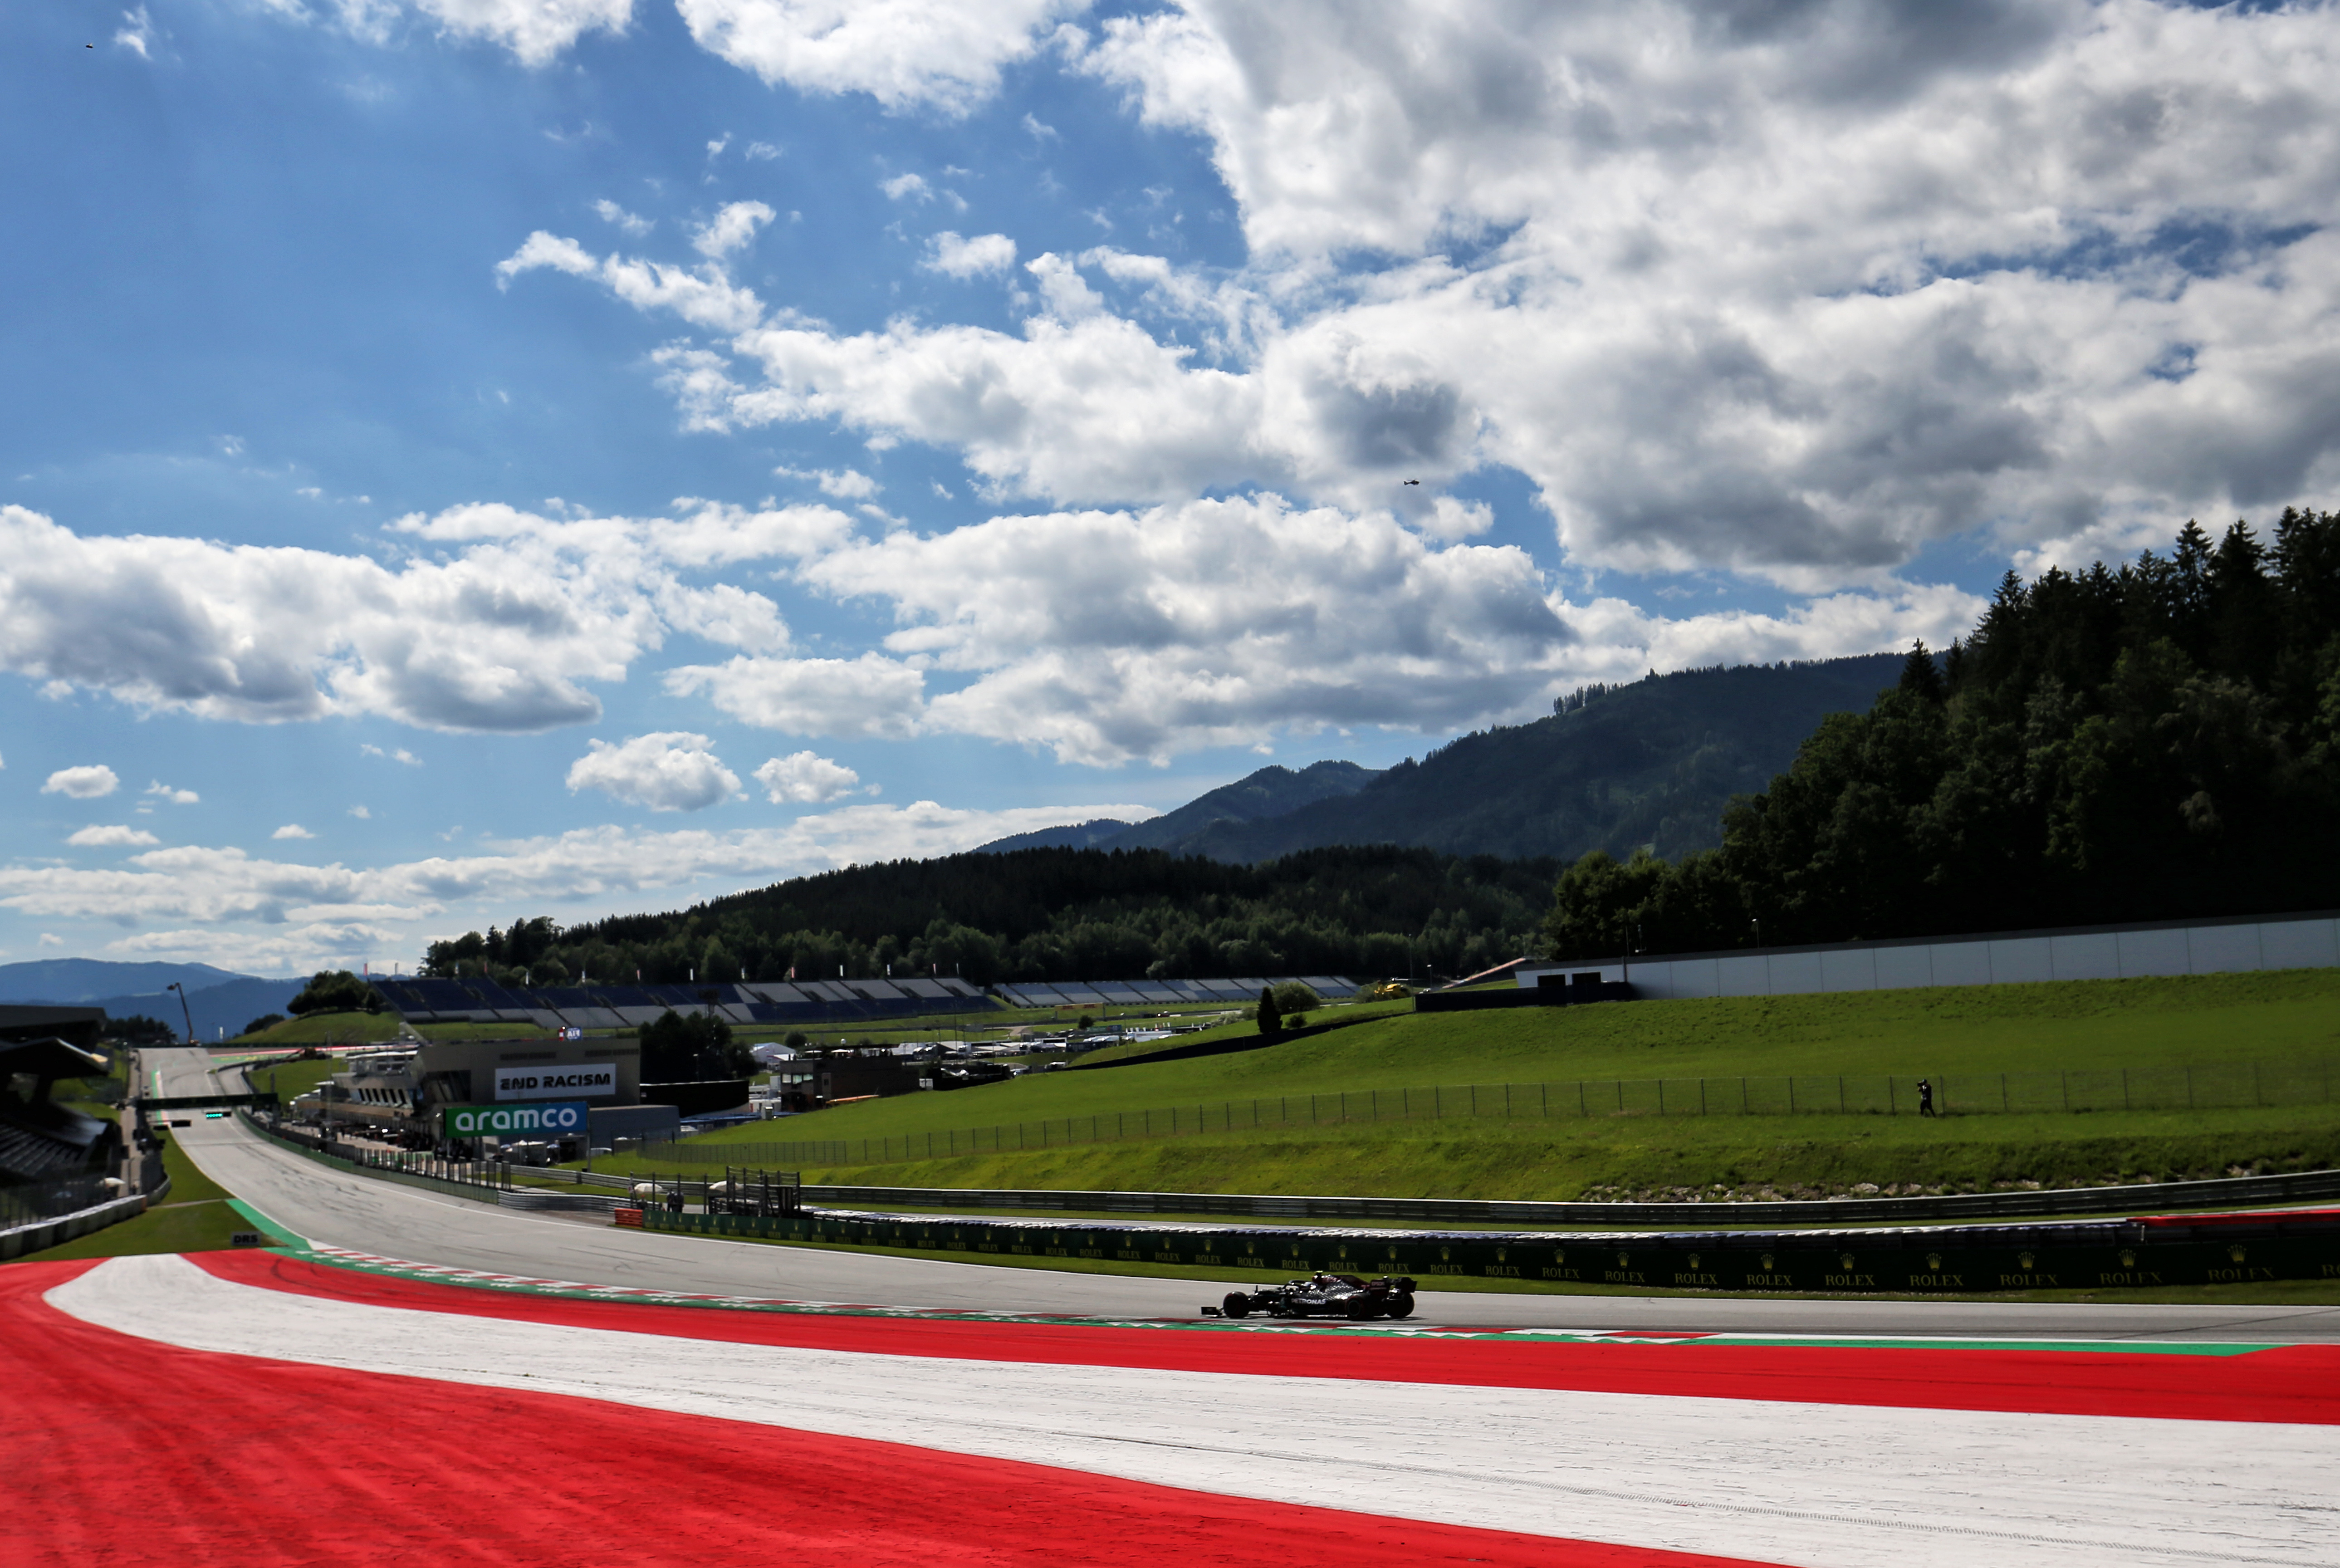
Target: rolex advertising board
{"x":542,"y":1119}
{"x":551,"y":1081}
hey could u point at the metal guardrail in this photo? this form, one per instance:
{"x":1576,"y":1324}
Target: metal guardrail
{"x":2142,"y":1199}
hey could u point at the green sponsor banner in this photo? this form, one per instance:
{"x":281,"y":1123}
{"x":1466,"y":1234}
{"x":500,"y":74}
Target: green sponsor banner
{"x":538,"y":1120}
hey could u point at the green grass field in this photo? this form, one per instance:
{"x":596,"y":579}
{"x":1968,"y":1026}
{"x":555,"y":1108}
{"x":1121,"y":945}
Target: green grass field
{"x":2280,"y":1018}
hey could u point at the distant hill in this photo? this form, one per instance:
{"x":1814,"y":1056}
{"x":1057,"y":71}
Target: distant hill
{"x":80,"y":982}
{"x":227,"y":1006}
{"x":1079,"y":836}
{"x":1649,"y":763}
{"x":1271,"y":792}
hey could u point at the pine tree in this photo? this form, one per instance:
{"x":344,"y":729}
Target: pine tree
{"x":1271,"y":1021}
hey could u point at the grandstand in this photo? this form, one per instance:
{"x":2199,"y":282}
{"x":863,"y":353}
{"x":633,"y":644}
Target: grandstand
{"x":1145,"y":993}
{"x":475,"y":1000}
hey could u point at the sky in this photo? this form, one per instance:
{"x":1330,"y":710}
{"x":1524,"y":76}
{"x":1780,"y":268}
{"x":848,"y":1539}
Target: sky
{"x":462,"y":460}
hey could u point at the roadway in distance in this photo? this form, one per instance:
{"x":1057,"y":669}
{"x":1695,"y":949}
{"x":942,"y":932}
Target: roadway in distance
{"x":398,"y":1221}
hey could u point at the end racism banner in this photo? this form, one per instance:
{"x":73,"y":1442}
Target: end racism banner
{"x":546,"y":1119}
{"x":555,"y":1082}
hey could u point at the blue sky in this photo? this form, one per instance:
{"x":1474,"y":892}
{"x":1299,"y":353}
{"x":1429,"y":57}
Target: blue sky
{"x":475,"y":458}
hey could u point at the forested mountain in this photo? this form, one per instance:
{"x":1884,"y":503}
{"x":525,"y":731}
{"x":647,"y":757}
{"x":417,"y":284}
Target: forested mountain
{"x":1270,"y":793}
{"x":1618,"y":767}
{"x":1075,"y":836}
{"x":1060,"y":914}
{"x":2157,"y":742}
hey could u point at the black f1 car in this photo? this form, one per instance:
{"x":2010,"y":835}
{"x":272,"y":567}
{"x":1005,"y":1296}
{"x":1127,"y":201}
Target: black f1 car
{"x":1322,"y":1295}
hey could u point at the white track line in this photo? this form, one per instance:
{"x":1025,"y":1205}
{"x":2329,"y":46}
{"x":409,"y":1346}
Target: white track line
{"x":1832,"y":1486}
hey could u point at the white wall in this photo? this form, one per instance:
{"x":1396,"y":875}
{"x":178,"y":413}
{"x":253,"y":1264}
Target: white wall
{"x":2278,"y":944}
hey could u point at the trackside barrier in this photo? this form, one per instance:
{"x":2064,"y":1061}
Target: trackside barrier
{"x":2217,"y":1085}
{"x":482,"y":1181}
{"x":32,"y":1237}
{"x":2112,"y":1254}
{"x":2304,"y":1187}
{"x":2020,"y":1203}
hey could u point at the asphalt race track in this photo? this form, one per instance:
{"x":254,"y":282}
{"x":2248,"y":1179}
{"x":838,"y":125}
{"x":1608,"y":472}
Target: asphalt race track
{"x":392,"y":1220}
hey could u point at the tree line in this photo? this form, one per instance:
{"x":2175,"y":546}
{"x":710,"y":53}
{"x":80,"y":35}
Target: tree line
{"x":1056,"y":914}
{"x":2156,"y":742}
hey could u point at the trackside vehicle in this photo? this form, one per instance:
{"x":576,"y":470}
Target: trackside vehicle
{"x":1322,"y":1295}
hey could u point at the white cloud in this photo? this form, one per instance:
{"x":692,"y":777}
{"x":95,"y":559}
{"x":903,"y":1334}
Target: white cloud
{"x":1108,"y":636}
{"x":292,"y":830}
{"x":611,"y":213}
{"x":943,"y":54}
{"x":902,"y":186}
{"x":947,"y":252}
{"x":137,"y":33}
{"x":537,"y":32}
{"x":360,"y":813}
{"x":161,"y":791}
{"x":51,"y":939}
{"x":761,"y":152}
{"x":669,"y":771}
{"x":734,"y":226}
{"x":396,"y":754}
{"x":499,"y":627}
{"x":86,"y":783}
{"x":1448,"y":517}
{"x":807,"y":777}
{"x":845,"y":484}
{"x":872,"y":695}
{"x":705,"y":297}
{"x":110,"y":835}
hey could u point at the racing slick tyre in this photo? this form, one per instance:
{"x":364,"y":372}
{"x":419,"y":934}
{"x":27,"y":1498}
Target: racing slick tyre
{"x":1235,"y":1304}
{"x":1361,"y":1310}
{"x":1401,"y":1306}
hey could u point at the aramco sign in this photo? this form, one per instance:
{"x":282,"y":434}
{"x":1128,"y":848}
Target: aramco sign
{"x":545,"y":1118}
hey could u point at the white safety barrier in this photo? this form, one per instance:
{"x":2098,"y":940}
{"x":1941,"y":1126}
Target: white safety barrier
{"x":2101,"y":953}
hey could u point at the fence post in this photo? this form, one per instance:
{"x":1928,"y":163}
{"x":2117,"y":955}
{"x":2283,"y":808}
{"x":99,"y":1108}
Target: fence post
{"x":1581,"y":1109}
{"x":1662,"y":1095}
{"x":1791,"y":1093}
{"x":1839,"y":1093}
{"x":1892,"y":1097}
{"x":2002,"y":1093}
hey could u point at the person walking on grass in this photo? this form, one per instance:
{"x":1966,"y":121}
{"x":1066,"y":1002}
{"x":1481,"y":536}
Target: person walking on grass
{"x":1924,"y":1098}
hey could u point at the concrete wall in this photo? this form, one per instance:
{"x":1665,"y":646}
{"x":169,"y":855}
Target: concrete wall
{"x":2289,"y":942}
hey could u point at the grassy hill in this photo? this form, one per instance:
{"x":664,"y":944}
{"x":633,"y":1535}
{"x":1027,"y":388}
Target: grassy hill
{"x":2143,"y":1025}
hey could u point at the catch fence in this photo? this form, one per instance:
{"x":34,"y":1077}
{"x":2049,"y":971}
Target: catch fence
{"x":2201,"y":1087}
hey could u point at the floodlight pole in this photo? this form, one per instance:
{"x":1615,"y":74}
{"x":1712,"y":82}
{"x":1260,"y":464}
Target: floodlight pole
{"x":184,"y":1011}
